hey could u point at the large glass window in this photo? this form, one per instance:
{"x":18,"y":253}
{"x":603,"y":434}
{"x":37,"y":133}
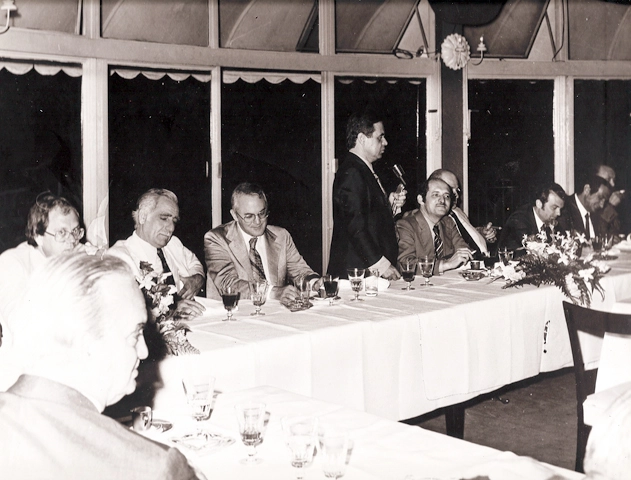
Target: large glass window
{"x":602,"y":133}
{"x":511,"y":150}
{"x":401,"y":104}
{"x":159,"y":138}
{"x":40,"y":146}
{"x":271,"y":136}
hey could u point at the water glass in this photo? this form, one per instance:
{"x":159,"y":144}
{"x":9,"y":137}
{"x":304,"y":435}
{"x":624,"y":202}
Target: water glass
{"x":331,"y":287}
{"x":258,"y":291}
{"x":372,"y":282}
{"x":334,"y":450}
{"x":426,"y":265}
{"x":356,"y":277}
{"x":251,"y":418}
{"x":302,"y":284}
{"x":199,"y":390}
{"x":301,"y":438}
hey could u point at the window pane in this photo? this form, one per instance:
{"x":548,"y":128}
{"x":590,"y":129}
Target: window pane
{"x":401,"y":104}
{"x":602,"y":133}
{"x":271,"y":136}
{"x":159,"y":138}
{"x":511,"y":150}
{"x":40,"y":146}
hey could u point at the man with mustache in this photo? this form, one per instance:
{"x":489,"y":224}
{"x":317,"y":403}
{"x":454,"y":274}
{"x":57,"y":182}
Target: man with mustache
{"x":430,"y":231}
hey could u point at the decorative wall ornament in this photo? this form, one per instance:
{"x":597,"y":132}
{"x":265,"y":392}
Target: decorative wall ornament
{"x":455,"y":51}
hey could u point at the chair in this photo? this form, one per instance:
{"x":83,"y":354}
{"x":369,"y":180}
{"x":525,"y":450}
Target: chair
{"x":595,"y":323}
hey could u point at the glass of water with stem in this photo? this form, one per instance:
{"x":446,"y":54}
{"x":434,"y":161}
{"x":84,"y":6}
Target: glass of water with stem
{"x":356,"y":277}
{"x":258,"y":291}
{"x":426,"y":264}
{"x":199,"y":390}
{"x":251,"y":418}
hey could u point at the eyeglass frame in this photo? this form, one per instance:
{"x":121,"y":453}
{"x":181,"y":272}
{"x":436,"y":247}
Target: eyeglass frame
{"x":261,"y":216}
{"x":62,"y":235}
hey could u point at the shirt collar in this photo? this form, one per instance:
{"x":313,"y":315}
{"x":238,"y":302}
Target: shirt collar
{"x":580,"y":206}
{"x":540,"y":223}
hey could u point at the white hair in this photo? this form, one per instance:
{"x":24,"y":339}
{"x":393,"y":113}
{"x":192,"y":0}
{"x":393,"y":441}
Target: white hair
{"x":148,"y":201}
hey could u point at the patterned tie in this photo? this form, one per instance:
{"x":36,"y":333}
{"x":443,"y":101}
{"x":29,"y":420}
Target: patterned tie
{"x":256,"y":262}
{"x":438,"y":243}
{"x":587,"y":235}
{"x":165,"y":267}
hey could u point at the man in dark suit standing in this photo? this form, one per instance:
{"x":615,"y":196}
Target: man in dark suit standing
{"x":533,"y":219}
{"x":581,"y":212}
{"x":78,"y":337}
{"x":364,"y":234}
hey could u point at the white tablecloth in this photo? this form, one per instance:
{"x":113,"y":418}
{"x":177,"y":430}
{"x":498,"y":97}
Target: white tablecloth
{"x":382,"y":449}
{"x":397,"y":355}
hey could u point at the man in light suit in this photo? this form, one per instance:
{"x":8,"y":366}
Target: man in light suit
{"x":248,"y":249}
{"x":422,"y":230}
{"x":79,"y":341}
{"x":581,"y":211}
{"x":364,"y":234}
{"x":532,"y":219}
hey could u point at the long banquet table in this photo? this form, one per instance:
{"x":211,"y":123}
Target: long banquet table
{"x":382,"y":449}
{"x":398,"y":355}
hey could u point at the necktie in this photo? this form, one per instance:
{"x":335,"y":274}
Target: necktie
{"x":545,"y":229}
{"x":165,"y":267}
{"x":438,"y":243}
{"x":256,"y":262}
{"x":587,"y":235}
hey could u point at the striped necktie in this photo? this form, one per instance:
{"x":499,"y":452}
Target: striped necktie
{"x":255,"y":260}
{"x":165,"y":267}
{"x":438,"y":243}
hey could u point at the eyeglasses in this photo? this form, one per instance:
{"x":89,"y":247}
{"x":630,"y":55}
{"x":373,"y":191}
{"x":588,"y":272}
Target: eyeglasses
{"x":249,"y":217}
{"x":62,"y":235}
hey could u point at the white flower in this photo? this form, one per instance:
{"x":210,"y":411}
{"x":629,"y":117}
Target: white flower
{"x":586,"y":274}
{"x":572,"y":287}
{"x":564,"y":258}
{"x":602,"y":267}
{"x":510,"y":274}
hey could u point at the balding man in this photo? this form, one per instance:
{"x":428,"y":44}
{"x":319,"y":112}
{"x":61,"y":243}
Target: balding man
{"x":155,"y":218}
{"x":79,"y":341}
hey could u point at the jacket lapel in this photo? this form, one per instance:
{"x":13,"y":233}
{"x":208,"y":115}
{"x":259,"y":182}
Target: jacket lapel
{"x":273,"y":257}
{"x":238,"y":248}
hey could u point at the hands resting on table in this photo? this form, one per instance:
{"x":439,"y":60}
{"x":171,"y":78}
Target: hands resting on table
{"x":187,"y":308}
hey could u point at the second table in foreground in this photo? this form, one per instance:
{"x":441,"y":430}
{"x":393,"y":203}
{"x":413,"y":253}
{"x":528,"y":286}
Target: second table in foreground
{"x":398,"y":355}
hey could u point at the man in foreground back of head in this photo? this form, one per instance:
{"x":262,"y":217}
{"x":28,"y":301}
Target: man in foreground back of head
{"x":78,"y":335}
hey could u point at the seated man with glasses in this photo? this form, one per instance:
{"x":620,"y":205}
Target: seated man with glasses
{"x":52,"y":228}
{"x":248,"y":249}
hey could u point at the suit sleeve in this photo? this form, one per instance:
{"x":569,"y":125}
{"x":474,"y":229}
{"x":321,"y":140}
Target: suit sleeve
{"x":407,"y":242}
{"x":220,"y":266}
{"x":513,"y":232}
{"x":296,"y":265}
{"x":352,"y":199}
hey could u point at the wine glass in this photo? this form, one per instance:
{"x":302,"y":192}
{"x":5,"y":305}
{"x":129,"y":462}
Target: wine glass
{"x":199,"y":390}
{"x":607,"y":241}
{"x":251,"y":418}
{"x":505,"y":255}
{"x":334,"y":449}
{"x":301,"y":437}
{"x":259,"y":295}
{"x":427,"y":269}
{"x":408,"y":270}
{"x":356,"y":276}
{"x":230,"y":297}
{"x":330,"y":287}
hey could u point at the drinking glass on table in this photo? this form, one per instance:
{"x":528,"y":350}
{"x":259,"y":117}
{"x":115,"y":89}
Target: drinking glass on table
{"x":607,"y":240}
{"x":199,"y":390}
{"x":408,"y":270}
{"x":331,"y":285}
{"x":505,"y":255}
{"x":356,"y":277}
{"x":258,"y":291}
{"x":230,"y":297}
{"x":371,"y":282}
{"x":301,"y":438}
{"x":426,"y":263}
{"x":597,"y":243}
{"x":302,"y":284}
{"x":333,"y":446}
{"x":251,"y":418}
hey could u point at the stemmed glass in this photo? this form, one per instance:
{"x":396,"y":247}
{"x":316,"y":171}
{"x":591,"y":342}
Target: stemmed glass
{"x":356,"y":276}
{"x":199,"y":390}
{"x":334,"y":449}
{"x":408,"y":270}
{"x":259,"y":296}
{"x":251,"y":418}
{"x":330,"y":287}
{"x":230,"y":297}
{"x":607,"y":241}
{"x":427,"y":269}
{"x":505,"y":255}
{"x":301,"y":437}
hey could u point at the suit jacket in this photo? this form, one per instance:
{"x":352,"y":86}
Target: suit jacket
{"x":415,"y":237}
{"x":363,"y":225}
{"x":228,"y":262}
{"x":572,"y":220}
{"x":51,"y":431}
{"x":521,"y":222}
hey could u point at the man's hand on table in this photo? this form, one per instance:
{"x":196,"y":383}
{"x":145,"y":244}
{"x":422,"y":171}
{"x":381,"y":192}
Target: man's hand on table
{"x":391,"y":274}
{"x":189,"y":309}
{"x":192,"y":286}
{"x":285,"y":295}
{"x":462,"y":255}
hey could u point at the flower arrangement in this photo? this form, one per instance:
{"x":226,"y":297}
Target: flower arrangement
{"x":557,"y":263}
{"x":160,"y":297}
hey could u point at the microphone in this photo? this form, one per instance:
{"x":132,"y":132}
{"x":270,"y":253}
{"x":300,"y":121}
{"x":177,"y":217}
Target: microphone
{"x":398,"y":171}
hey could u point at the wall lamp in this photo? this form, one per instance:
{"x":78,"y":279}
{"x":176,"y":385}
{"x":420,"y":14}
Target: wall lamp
{"x":481,"y":49}
{"x":8,"y":6}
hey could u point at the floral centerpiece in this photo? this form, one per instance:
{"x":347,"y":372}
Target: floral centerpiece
{"x":557,"y":263}
{"x":160,"y":297}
